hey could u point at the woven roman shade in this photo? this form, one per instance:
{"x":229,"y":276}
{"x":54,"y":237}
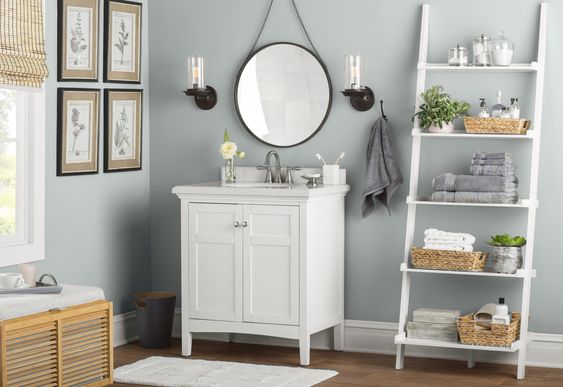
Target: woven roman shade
{"x":22,"y":43}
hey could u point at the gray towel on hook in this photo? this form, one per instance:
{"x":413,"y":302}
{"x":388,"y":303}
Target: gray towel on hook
{"x":383,"y":174}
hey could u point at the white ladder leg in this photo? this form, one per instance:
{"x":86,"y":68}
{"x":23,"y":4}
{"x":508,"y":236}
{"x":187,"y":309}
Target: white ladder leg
{"x":471,"y":359}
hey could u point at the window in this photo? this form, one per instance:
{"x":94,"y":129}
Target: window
{"x":22,"y":178}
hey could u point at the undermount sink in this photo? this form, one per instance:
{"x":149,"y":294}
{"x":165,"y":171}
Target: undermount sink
{"x":258,"y":185}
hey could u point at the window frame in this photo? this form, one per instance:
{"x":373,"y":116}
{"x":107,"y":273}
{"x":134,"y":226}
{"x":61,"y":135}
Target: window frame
{"x":28,"y":243}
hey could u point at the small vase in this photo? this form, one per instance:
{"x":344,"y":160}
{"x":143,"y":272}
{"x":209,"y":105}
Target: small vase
{"x":230,"y":175}
{"x":506,"y":259}
{"x":447,"y":127}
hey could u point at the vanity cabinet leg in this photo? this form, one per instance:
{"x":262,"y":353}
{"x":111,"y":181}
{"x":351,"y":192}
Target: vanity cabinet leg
{"x":339,"y":337}
{"x":187,"y":344}
{"x":305,"y":350}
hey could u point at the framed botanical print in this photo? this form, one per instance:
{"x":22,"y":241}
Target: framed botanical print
{"x":78,"y":40}
{"x":77,"y":131}
{"x":123,"y":111}
{"x":122,"y":41}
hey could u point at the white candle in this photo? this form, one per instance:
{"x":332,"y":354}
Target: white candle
{"x":29,"y":272}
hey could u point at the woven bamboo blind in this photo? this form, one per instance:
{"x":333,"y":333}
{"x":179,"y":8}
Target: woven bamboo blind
{"x":22,"y":43}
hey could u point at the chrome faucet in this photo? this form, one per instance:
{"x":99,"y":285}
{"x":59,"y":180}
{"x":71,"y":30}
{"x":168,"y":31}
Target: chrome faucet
{"x":272,"y":177}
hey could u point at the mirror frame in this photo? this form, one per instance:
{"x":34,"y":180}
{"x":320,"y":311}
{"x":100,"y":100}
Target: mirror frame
{"x":329,"y":107}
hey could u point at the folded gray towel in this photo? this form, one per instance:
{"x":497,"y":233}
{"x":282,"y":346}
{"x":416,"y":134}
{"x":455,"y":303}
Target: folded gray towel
{"x":505,"y":162}
{"x":492,"y":170}
{"x":383,"y":174}
{"x":475,"y":197}
{"x":489,"y":156}
{"x":469,"y":183}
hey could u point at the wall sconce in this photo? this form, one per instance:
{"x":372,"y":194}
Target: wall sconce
{"x":361,"y":97}
{"x":205,"y":96}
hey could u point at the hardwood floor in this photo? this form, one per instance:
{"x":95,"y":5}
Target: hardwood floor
{"x":357,"y":369}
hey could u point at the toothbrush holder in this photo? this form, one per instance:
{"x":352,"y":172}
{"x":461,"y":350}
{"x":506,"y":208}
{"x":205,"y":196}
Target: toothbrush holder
{"x":331,"y":174}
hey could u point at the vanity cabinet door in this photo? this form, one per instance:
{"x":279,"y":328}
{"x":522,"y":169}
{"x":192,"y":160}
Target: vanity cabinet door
{"x":215,"y":262}
{"x":271,"y":264}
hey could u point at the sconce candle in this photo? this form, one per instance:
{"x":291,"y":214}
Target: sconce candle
{"x":195,"y":72}
{"x":361,"y":97}
{"x":205,"y":96}
{"x":353,"y":71}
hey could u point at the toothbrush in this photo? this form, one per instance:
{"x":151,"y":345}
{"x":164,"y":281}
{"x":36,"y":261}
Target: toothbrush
{"x":340,"y":158}
{"x":320,"y":158}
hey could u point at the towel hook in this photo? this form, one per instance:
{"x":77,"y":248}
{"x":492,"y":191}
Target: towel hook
{"x":382,"y":112}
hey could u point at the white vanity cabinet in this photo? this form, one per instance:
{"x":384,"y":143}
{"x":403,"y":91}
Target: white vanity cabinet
{"x":259,"y":260}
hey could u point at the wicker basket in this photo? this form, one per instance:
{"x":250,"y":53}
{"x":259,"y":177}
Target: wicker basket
{"x":499,"y":335}
{"x":448,"y":260}
{"x":496,"y":125}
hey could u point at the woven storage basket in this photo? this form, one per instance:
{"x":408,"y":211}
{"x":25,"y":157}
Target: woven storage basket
{"x":499,"y":335}
{"x":496,"y":125}
{"x":448,"y":260}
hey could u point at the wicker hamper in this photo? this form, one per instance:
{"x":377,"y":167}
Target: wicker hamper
{"x":448,"y":260}
{"x":67,"y":347}
{"x":499,"y":335}
{"x":493,"y":125}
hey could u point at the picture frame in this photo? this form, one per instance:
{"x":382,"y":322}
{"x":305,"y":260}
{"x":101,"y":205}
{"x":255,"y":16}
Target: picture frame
{"x":123,"y":122}
{"x":77,"y":42}
{"x":77,"y":131}
{"x":122,"y":41}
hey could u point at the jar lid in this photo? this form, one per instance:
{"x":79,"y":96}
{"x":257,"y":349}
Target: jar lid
{"x":484,"y":37}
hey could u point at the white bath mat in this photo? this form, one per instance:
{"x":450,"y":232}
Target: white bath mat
{"x":176,"y":372}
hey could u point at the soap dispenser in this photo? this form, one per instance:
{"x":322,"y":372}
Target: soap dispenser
{"x":483,"y":113}
{"x":501,"y":313}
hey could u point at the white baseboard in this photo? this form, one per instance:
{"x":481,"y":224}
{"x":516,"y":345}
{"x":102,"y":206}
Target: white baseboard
{"x":546,"y":350}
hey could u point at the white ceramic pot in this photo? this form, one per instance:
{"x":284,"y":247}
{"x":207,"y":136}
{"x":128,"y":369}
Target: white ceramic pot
{"x":447,"y":127}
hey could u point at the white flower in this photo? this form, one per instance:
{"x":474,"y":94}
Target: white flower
{"x":241,"y":154}
{"x":228,"y":150}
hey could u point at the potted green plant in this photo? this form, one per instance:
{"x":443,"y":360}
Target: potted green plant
{"x":507,"y":253}
{"x":439,"y":110}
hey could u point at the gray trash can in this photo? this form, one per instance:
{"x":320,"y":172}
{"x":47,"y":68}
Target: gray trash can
{"x":155,"y":315}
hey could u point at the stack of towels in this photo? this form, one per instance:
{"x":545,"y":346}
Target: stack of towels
{"x":441,"y":240}
{"x":492,"y":180}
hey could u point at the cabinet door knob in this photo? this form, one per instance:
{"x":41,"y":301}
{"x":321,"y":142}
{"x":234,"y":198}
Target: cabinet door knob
{"x":237,"y":224}
{"x":245,"y":224}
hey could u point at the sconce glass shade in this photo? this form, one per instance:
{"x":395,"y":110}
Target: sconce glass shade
{"x":354,"y":63}
{"x":196,"y":72}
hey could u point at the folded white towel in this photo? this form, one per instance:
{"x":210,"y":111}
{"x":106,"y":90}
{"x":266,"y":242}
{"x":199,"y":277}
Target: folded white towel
{"x":432,"y":235}
{"x":459,"y":247}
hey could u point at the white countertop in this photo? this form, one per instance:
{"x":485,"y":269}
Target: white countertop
{"x":295,"y":190}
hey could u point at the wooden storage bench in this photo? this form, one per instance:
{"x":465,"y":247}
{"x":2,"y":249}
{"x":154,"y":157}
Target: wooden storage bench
{"x":66,"y":347}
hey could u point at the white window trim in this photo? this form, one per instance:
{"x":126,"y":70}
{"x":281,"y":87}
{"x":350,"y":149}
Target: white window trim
{"x":28,"y":245}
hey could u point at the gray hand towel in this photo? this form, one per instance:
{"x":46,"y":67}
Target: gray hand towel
{"x":505,"y":162}
{"x":492,"y":170}
{"x":486,"y":155}
{"x":383,"y":174}
{"x":469,"y":183}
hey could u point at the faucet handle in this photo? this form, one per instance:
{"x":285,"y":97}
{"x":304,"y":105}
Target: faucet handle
{"x":288,"y":177}
{"x":268,"y":168}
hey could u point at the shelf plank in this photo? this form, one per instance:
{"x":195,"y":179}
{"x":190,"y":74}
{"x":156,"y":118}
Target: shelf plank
{"x":524,"y":203}
{"x":519,"y":274}
{"x":444,"y":67}
{"x":401,"y":339}
{"x":416,"y":132}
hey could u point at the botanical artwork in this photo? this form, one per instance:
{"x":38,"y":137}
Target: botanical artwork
{"x":123,"y":42}
{"x":78,"y":132}
{"x":124,"y":131}
{"x":78,"y":45}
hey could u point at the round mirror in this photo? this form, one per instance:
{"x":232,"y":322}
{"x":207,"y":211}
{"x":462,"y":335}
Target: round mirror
{"x":283,"y":94}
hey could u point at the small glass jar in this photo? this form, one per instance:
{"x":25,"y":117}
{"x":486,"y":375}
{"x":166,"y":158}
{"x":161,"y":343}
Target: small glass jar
{"x":482,"y":51}
{"x":458,"y":56}
{"x":503,"y":50}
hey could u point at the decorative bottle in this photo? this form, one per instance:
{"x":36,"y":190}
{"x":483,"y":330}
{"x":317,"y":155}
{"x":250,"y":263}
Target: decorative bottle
{"x":496,"y":110}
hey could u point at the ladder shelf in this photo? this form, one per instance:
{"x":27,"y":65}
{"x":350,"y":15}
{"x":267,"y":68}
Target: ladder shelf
{"x":526,"y":273}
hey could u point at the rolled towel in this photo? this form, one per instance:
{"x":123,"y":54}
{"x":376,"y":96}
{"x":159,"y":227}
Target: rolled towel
{"x":470,"y":183}
{"x":437,"y":246}
{"x":433,"y":235}
{"x":492,"y":170}
{"x":489,"y":156}
{"x":475,"y":197}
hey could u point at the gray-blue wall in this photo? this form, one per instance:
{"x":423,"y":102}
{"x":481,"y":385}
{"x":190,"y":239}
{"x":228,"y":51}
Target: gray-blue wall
{"x":97,"y":226}
{"x":184,"y":139}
